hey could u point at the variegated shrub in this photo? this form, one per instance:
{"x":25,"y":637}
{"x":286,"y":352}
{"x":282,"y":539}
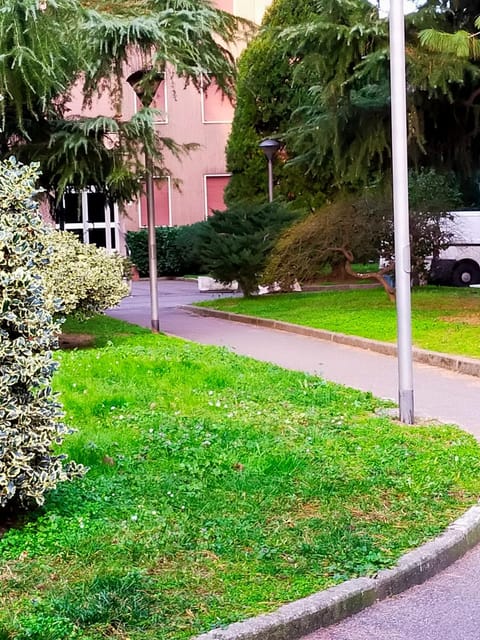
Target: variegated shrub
{"x":30,"y":415}
{"x":84,"y":277}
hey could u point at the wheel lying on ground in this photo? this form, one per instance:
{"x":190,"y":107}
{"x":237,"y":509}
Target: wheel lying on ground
{"x":465,"y":273}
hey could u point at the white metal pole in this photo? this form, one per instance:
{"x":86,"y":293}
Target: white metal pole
{"x":152,"y":246}
{"x":400,"y":210}
{"x":270,"y":179}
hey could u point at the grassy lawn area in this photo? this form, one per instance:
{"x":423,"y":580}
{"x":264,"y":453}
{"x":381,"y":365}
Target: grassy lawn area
{"x":443,"y":318}
{"x":219,"y":487}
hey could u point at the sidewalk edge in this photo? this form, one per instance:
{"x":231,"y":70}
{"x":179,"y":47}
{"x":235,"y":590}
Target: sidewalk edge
{"x":459,"y":364}
{"x":297,"y":619}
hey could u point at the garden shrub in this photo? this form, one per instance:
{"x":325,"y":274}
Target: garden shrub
{"x":363,"y":224}
{"x":86,"y":278}
{"x":169,"y":263}
{"x":137,"y":244}
{"x":177,"y":250}
{"x":188,"y":243}
{"x":30,"y":416}
{"x":236,"y":243}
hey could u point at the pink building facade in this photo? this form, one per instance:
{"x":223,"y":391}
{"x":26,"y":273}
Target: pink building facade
{"x":187,"y":116}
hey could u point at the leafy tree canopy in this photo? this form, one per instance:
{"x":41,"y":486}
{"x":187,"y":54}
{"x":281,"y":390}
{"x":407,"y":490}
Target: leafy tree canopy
{"x":49,"y":46}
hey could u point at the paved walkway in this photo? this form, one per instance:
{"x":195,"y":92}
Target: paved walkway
{"x":446,"y":607}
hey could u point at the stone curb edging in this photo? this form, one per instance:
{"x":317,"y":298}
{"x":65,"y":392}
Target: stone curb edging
{"x":468,"y":366}
{"x":297,"y":619}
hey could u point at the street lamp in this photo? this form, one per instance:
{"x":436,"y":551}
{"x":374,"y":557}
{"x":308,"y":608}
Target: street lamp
{"x":145,"y":84}
{"x":270,"y":147}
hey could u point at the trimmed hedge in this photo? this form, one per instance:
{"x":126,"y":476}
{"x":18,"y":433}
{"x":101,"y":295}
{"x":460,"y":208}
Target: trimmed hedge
{"x":177,"y":250}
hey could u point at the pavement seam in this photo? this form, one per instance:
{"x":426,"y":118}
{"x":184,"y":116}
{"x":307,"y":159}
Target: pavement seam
{"x":297,"y":619}
{"x":459,"y":364}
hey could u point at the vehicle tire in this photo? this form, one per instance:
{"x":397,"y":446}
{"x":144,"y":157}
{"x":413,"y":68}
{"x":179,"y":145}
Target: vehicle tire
{"x":465,"y":273}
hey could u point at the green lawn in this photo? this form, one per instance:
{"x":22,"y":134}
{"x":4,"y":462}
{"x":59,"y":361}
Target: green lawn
{"x":443,"y":319}
{"x":219,"y":487}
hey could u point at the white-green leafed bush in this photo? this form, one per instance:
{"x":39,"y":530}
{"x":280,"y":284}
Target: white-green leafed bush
{"x":30,"y":416}
{"x":86,"y":279}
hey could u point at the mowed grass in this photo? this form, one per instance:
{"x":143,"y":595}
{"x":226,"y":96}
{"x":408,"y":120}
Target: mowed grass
{"x":444,"y":319}
{"x":219,"y":487}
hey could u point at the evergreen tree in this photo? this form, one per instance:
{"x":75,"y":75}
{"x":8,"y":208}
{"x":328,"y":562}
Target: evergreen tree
{"x":235,"y":244}
{"x":48,"y":46}
{"x":265,"y":100}
{"x":333,"y":106}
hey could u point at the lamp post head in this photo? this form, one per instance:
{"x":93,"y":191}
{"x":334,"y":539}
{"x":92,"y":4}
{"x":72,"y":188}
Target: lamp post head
{"x":270,"y":146}
{"x":145,"y":83}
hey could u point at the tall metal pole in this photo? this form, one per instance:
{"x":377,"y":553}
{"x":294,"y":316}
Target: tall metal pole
{"x":400,"y":210}
{"x":145,"y":83}
{"x":270,"y":179}
{"x":152,"y":245}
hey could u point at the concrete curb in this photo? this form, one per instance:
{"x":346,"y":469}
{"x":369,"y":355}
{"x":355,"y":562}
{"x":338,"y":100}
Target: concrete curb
{"x":459,"y":364}
{"x":297,"y":619}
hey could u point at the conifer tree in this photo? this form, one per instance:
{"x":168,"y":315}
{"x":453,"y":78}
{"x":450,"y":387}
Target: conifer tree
{"x":328,"y":99}
{"x":48,"y":45}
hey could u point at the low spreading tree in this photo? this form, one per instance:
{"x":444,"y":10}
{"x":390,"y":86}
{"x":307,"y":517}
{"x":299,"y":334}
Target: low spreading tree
{"x":30,"y":414}
{"x":360,"y":228}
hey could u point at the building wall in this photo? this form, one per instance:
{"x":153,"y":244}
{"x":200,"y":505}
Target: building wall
{"x":196,"y":181}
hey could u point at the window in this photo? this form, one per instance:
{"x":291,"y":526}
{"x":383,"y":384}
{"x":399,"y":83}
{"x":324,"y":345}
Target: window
{"x":91,"y":217}
{"x":216,"y":107}
{"x":214,"y":192}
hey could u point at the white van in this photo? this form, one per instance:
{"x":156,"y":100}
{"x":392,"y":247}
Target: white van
{"x":459,"y":263}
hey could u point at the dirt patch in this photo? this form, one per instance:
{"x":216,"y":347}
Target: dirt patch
{"x":471,"y":319}
{"x":76,"y":340}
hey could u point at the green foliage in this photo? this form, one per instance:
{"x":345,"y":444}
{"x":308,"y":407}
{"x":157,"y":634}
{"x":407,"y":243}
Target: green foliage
{"x":210,"y":500}
{"x":177,"y":249}
{"x":137,"y":243}
{"x":48,"y":48}
{"x":308,"y":247}
{"x":461,"y":43}
{"x":43,"y":626}
{"x":120,"y":599}
{"x":345,"y":121}
{"x":188,"y":243}
{"x":237,"y":242}
{"x":431,"y":196}
{"x":317,"y":76}
{"x":364,"y":226}
{"x":30,"y":416}
{"x":85,"y":278}
{"x":266,"y":98}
